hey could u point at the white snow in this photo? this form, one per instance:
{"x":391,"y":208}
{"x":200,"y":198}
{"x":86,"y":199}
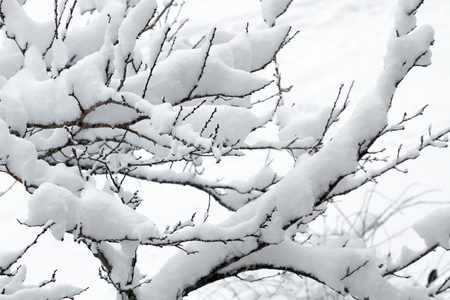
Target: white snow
{"x":23,"y":162}
{"x":88,"y":38}
{"x":56,"y":204}
{"x":434,"y":228}
{"x":133,"y":24}
{"x":226,"y":72}
{"x":59,"y":52}
{"x":272,"y":9}
{"x":96,"y":214}
{"x":73,"y":80}
{"x":25,"y":30}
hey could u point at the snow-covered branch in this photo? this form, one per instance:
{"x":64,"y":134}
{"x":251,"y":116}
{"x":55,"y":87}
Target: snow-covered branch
{"x":110,"y":91}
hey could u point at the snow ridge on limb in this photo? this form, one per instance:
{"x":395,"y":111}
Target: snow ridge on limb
{"x":272,"y":9}
{"x":22,"y":29}
{"x":345,"y":270}
{"x":403,"y":53}
{"x":435,"y":228}
{"x":224,"y":71}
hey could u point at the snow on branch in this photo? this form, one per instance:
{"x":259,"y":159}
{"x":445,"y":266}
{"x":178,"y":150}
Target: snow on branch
{"x":110,"y":93}
{"x":12,"y":281}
